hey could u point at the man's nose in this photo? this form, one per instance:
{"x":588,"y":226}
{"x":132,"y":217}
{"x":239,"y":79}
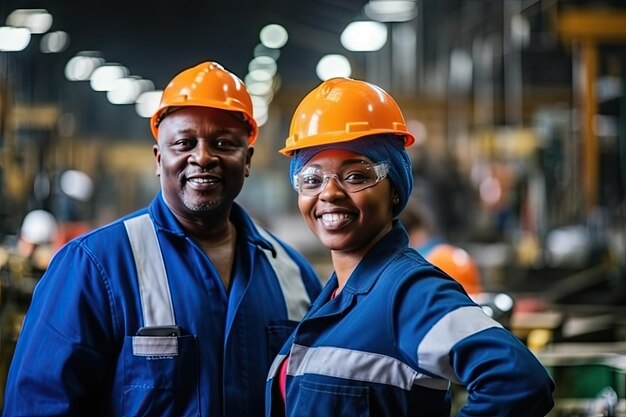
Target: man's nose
{"x":203,"y":154}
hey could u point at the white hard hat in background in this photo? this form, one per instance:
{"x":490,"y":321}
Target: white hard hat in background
{"x":39,"y":227}
{"x":77,"y":184}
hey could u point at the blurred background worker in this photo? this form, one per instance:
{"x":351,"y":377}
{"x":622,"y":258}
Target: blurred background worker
{"x":25,"y":260}
{"x":424,"y":236}
{"x":178,"y":308}
{"x":38,"y":232}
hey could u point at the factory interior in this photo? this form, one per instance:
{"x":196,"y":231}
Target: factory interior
{"x":518,"y":108}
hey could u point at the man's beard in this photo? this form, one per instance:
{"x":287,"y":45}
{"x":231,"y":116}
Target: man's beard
{"x":200,"y":206}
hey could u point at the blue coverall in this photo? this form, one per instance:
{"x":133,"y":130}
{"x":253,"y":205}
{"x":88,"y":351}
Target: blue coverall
{"x":79,"y":352}
{"x":393,"y":339}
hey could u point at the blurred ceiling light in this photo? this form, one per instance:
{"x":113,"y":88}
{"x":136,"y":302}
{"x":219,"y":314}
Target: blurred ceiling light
{"x":274,"y":36}
{"x":260,"y":74}
{"x":147,"y":103}
{"x":35,"y":20}
{"x":13,"y":39}
{"x":260,"y":101}
{"x":333,"y":65}
{"x":276,"y":82}
{"x":54,"y":42}
{"x":260,"y":111}
{"x":103,"y":77}
{"x":364,"y":36}
{"x":262,"y":50}
{"x":127,"y":90}
{"x":80,"y":67}
{"x":263,"y":62}
{"x":267,"y":97}
{"x":261,"y":120}
{"x":391,"y":10}
{"x":76,"y":184}
{"x":259,"y":88}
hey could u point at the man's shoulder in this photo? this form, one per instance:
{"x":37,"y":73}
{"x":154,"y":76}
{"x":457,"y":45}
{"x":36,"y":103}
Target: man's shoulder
{"x":108,"y":234}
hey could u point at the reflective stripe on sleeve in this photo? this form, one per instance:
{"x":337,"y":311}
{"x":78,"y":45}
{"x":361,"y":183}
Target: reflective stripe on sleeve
{"x":289,"y":277}
{"x":358,"y":366}
{"x":433,"y":351}
{"x":156,"y":301}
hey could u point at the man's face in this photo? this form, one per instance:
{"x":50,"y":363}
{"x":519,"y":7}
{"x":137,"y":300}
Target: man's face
{"x":202,"y":158}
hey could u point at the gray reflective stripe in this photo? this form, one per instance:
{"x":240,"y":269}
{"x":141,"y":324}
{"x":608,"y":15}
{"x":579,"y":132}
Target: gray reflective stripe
{"x":358,"y":366}
{"x":433,"y":352}
{"x":289,"y":278}
{"x":154,"y":290}
{"x":155,"y":346}
{"x":275,"y":366}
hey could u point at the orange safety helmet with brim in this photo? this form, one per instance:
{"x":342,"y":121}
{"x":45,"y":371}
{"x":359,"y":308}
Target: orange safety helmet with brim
{"x":206,"y":85}
{"x":344,"y":109}
{"x":457,"y":263}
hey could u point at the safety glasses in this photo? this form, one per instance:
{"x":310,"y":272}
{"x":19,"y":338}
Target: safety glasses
{"x":352,"y":178}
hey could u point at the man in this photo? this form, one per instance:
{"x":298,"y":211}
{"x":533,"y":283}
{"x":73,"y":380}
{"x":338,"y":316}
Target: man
{"x":178,"y":309}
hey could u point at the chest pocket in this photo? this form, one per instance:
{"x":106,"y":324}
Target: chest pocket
{"x":161,"y":385}
{"x":160,"y":372}
{"x":277,"y":334}
{"x":315,"y":399}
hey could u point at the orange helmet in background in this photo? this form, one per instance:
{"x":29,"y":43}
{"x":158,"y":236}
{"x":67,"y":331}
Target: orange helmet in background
{"x":343,"y":109}
{"x":457,"y":263}
{"x":206,"y":85}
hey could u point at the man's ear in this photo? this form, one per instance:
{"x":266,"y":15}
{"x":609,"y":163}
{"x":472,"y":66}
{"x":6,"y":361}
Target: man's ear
{"x":157,"y":158}
{"x":249,"y":154}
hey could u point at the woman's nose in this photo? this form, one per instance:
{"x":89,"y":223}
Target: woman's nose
{"x":331,"y":189}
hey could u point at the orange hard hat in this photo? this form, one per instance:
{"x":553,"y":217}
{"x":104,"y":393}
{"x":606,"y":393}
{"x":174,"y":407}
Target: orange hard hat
{"x":206,"y":85}
{"x":457,"y":263}
{"x":343,"y":109}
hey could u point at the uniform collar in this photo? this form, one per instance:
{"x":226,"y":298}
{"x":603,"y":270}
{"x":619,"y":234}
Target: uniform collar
{"x":363,"y":277}
{"x":165,"y":220}
{"x":377,"y":259}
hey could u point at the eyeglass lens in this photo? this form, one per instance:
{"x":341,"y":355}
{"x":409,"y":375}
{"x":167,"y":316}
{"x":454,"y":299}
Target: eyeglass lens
{"x":310,"y":181}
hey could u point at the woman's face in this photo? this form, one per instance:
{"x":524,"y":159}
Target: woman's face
{"x":343,"y":221}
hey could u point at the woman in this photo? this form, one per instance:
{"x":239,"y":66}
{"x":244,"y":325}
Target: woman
{"x":390,"y":331}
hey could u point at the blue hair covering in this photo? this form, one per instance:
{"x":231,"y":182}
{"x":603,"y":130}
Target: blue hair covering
{"x":378,"y":148}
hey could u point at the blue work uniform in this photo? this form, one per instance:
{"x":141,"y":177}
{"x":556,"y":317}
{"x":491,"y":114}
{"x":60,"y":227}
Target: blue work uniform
{"x":393,"y":339}
{"x":79,"y":352}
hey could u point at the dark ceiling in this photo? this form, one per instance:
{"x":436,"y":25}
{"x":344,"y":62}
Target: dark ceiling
{"x":158,"y":38}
